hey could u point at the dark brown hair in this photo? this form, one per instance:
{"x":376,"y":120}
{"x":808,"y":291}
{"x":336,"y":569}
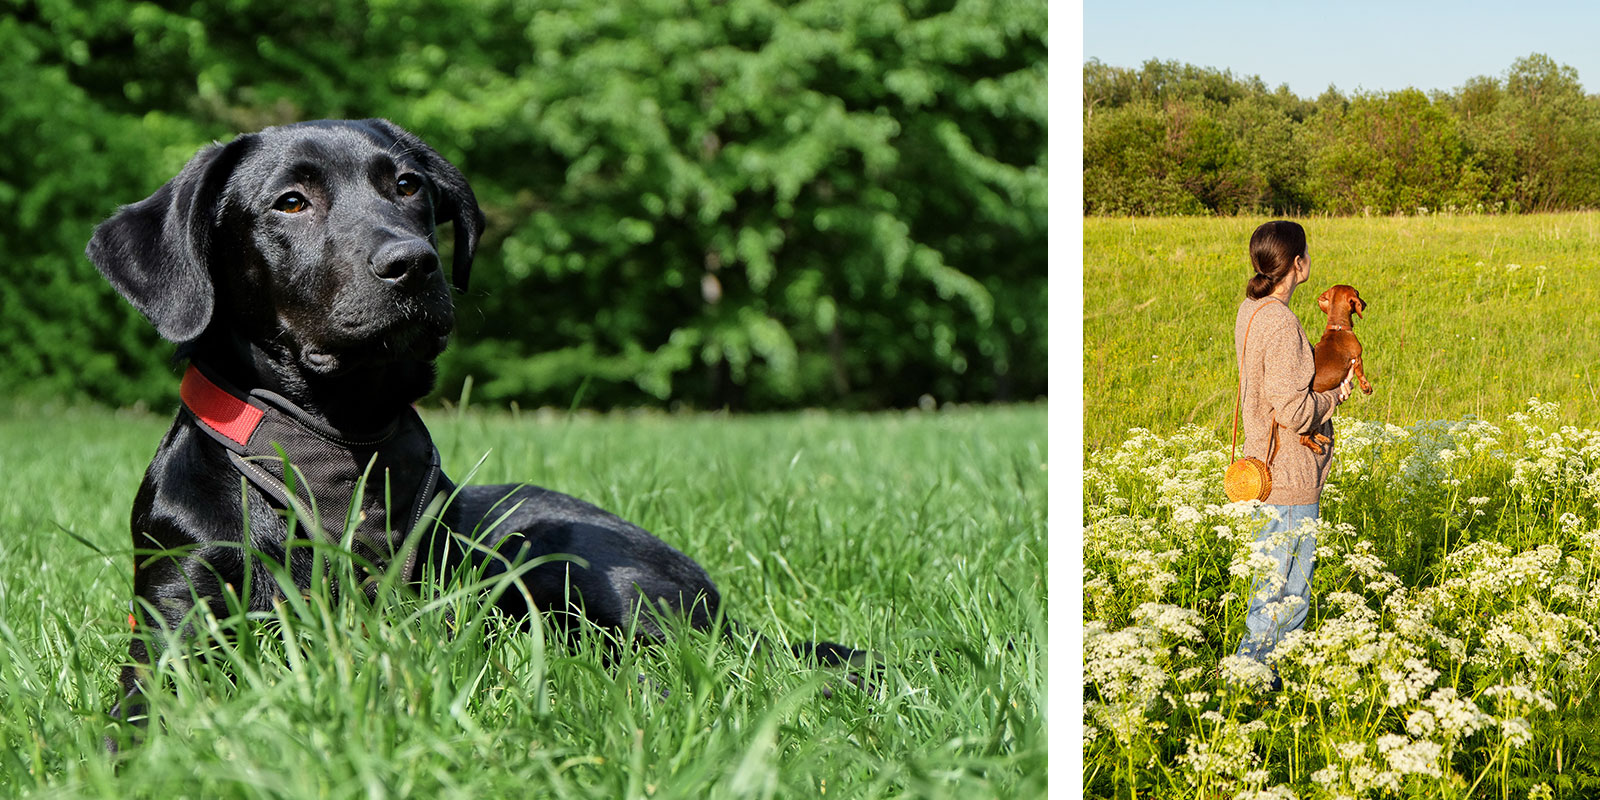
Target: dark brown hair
{"x":1273,"y":249}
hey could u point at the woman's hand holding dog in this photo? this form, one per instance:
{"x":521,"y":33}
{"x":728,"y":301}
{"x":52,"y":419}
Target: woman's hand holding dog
{"x":1344,"y":385}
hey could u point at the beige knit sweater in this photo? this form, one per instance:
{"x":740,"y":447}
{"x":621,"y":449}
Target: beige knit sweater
{"x":1275,"y":378}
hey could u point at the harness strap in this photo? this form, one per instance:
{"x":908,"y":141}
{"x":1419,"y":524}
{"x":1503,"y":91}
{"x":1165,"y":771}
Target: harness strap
{"x":327,"y":467}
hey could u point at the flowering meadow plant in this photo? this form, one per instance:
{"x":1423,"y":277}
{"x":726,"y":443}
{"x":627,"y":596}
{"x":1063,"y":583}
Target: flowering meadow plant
{"x":1451,"y":646}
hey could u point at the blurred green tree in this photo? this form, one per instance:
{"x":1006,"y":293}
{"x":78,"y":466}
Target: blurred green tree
{"x":741,"y":203}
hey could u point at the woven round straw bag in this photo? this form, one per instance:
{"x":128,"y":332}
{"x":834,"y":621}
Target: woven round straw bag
{"x":1249,"y":478}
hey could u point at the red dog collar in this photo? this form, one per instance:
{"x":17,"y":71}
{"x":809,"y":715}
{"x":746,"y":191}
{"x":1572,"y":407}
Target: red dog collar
{"x":267,"y":437}
{"x":219,"y":410}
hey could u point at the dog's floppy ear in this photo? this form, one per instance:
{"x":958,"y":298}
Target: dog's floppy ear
{"x":155,"y":252}
{"x":457,"y":203}
{"x":1325,"y":300}
{"x":1358,"y":305}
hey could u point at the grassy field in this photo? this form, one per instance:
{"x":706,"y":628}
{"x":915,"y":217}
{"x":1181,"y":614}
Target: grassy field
{"x":1452,"y":647}
{"x":1466,"y":315}
{"x":921,"y":536}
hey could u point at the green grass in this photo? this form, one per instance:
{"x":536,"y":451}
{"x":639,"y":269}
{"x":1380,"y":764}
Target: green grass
{"x":920,"y":536}
{"x":1450,"y":328}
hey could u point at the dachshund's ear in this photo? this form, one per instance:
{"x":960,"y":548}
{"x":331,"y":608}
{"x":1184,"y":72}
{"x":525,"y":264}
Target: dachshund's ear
{"x":1357,"y":304}
{"x":456,"y":202}
{"x":1325,"y":300}
{"x":156,"y":252}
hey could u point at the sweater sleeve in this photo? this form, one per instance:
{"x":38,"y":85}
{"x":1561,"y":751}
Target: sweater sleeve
{"x":1330,"y":399}
{"x":1289,"y":370}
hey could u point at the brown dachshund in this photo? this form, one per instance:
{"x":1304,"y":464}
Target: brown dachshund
{"x":1339,"y":351}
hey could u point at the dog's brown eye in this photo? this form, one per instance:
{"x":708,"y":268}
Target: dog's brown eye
{"x":291,"y":203}
{"x":408,"y":185}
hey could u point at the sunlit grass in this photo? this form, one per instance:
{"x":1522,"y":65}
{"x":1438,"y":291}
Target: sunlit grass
{"x":920,"y":536}
{"x":1466,"y":315}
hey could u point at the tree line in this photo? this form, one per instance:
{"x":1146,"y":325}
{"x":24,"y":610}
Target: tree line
{"x":1170,"y":138}
{"x":713,"y":203}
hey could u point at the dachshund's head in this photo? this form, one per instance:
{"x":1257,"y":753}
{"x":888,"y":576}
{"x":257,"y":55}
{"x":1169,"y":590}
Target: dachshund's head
{"x":1332,"y":301}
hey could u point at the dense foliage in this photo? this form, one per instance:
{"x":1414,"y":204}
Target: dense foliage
{"x":1171,"y":138}
{"x":743,"y":203}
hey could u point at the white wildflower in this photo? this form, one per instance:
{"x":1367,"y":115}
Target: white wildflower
{"x":1515,"y":732}
{"x":1346,"y":602}
{"x":1123,"y":666}
{"x":1421,"y":723}
{"x":1171,"y":620}
{"x":1412,"y":757}
{"x":1279,"y":792}
{"x":1366,"y":564}
{"x":1350,"y":751}
{"x":1452,"y":715}
{"x":1352,"y":769}
{"x":1326,"y":776}
{"x":1225,"y":758}
{"x":1504,"y":693}
{"x":1243,"y":671}
{"x":1406,"y":685}
{"x":1186,"y":515}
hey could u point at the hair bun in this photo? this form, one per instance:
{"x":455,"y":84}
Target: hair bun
{"x":1273,"y":248}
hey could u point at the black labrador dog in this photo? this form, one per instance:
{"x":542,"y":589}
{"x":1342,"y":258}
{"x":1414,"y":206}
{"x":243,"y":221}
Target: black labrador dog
{"x":298,"y":271}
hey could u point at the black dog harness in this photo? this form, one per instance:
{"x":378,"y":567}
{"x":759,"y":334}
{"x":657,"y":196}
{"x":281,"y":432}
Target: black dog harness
{"x":399,"y":466}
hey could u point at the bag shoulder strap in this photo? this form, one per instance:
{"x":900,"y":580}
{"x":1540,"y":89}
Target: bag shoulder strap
{"x":1238,"y":398}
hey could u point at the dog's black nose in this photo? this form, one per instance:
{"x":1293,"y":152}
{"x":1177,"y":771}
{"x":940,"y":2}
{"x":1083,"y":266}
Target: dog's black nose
{"x":404,"y":261}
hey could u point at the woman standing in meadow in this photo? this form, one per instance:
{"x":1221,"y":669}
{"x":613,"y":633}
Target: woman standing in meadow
{"x":1277,"y":407}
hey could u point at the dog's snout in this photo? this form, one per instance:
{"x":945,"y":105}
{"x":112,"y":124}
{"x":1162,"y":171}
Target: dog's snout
{"x":405,"y":261}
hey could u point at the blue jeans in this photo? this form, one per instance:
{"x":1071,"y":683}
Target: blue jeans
{"x":1274,"y":612}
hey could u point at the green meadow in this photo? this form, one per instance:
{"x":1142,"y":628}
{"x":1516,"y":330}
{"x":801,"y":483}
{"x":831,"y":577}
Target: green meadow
{"x":1466,"y":315}
{"x":918,"y":535}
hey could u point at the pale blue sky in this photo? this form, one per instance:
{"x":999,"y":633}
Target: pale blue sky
{"x":1355,"y":44}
